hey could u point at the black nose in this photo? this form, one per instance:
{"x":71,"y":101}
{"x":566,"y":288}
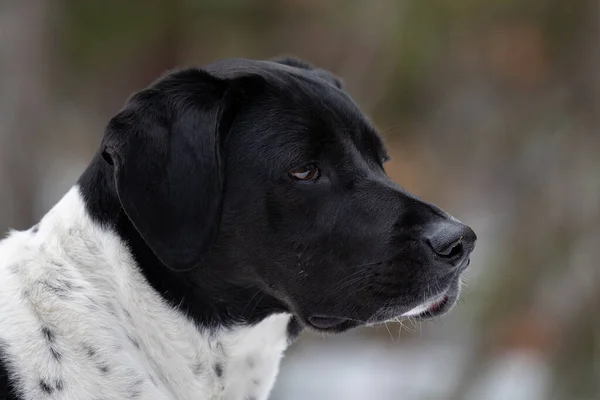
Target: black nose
{"x":451,"y":241}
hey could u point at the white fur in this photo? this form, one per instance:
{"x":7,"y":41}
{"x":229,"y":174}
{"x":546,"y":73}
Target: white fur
{"x":73,"y":290}
{"x":420,"y":309}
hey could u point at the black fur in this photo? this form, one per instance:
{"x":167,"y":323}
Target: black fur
{"x":134,"y":341}
{"x":48,"y":334}
{"x":294,"y":329}
{"x":197,"y":368}
{"x":45,"y":386}
{"x":193,"y":174}
{"x":321,"y":73}
{"x":7,"y":388}
{"x":89,"y":350}
{"x":218,"y":370}
{"x":55,"y":354}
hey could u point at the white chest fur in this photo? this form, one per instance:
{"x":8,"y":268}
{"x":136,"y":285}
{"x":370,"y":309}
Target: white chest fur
{"x":79,"y":321}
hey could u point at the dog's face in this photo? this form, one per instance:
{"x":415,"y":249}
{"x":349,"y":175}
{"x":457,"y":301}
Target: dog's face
{"x":270,"y":174}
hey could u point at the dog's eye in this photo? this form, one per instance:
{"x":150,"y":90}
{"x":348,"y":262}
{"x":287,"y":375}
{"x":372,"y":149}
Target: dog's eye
{"x":308,"y":172}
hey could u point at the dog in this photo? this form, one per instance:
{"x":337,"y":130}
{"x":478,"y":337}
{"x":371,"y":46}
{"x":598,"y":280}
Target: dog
{"x":227,"y":209}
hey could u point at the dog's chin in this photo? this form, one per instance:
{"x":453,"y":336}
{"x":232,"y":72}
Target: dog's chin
{"x":435,"y":306}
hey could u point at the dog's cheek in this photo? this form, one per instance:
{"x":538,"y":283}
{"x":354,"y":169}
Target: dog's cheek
{"x":274,"y":211}
{"x":290,"y":211}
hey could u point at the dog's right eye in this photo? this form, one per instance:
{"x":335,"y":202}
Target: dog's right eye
{"x":306,"y":173}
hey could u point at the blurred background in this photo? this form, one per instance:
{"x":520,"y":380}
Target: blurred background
{"x":490,"y":109}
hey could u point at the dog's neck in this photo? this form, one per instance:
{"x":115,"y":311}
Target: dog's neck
{"x":207,"y":294}
{"x":77,"y":318}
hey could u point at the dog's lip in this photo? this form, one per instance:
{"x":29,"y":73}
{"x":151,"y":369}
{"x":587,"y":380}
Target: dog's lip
{"x":330,"y":323}
{"x":437,"y":306}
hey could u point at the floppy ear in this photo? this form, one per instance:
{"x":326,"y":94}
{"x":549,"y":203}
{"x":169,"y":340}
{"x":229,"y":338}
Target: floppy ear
{"x":165,"y":149}
{"x":323,"y":74}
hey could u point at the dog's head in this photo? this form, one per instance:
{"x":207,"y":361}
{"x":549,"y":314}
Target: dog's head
{"x":266,"y":175}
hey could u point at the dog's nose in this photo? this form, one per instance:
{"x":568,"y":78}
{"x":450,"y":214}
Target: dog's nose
{"x":451,"y":241}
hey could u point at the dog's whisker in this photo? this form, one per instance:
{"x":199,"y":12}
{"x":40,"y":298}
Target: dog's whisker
{"x":408,"y":329}
{"x":390,"y":332}
{"x":397,"y":319}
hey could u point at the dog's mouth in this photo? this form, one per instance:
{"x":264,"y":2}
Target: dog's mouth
{"x":434,"y":307}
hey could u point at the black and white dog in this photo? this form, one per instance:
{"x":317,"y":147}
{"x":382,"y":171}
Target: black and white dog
{"x":227,"y":209}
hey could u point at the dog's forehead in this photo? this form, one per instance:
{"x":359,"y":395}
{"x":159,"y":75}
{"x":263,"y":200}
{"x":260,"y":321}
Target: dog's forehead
{"x":312,"y":110}
{"x":298,"y":84}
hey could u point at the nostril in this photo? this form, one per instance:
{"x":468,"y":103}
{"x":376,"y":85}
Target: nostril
{"x":447,"y":250}
{"x":456,"y":249}
{"x":450,"y":240}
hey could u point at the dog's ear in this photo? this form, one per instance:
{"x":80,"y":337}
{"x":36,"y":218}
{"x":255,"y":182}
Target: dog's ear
{"x":323,"y":74}
{"x":165,"y":146}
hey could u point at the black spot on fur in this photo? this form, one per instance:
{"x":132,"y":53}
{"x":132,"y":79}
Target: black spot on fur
{"x":59,"y":385}
{"x":60,"y":287}
{"x":134,"y":341}
{"x":162,"y":377}
{"x":45,"y":386}
{"x":103,"y":368}
{"x":48,"y":334}
{"x":35,"y":229}
{"x":256,"y":382}
{"x":111,"y":309}
{"x":55,"y":354}
{"x":218,"y":369}
{"x":197,"y":368}
{"x":89,"y":351}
